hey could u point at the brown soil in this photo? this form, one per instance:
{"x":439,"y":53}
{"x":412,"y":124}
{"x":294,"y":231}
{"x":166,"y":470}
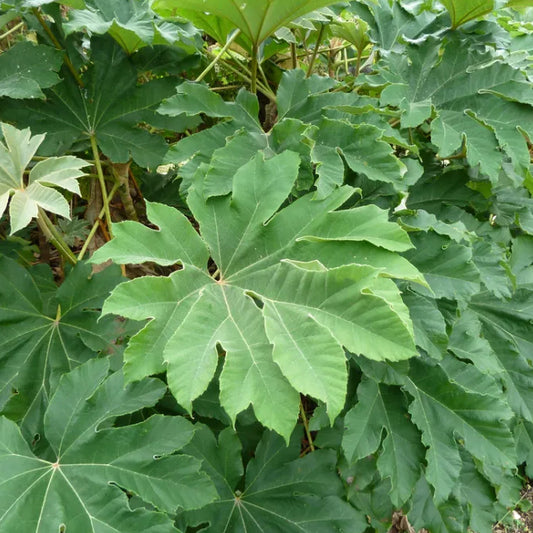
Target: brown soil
{"x":518,"y":521}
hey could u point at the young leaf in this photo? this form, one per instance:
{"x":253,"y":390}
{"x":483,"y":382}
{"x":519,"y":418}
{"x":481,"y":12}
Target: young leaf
{"x":81,"y":487}
{"x":267,"y":309}
{"x":15,"y":155}
{"x":281,"y":491}
{"x":42,"y":336}
{"x":26,"y":69}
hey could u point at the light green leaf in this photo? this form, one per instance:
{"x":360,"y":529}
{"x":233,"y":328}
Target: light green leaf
{"x":462,"y":11}
{"x":130,"y":23}
{"x":26,"y":69}
{"x":257,"y":19}
{"x":259,"y":309}
{"x":280,"y":492}
{"x":15,"y":155}
{"x":80,"y":488}
{"x":182,"y":245}
{"x":382,"y":407}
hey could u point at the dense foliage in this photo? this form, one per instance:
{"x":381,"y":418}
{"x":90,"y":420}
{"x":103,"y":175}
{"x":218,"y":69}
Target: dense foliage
{"x":325,"y":214}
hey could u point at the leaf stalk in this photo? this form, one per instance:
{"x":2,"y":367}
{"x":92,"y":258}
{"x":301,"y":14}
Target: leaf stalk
{"x":53,"y":236}
{"x":101,"y":179}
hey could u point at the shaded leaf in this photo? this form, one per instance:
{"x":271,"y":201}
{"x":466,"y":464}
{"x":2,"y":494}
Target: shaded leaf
{"x":26,"y":69}
{"x":382,"y":407}
{"x":110,"y":107}
{"x":43,"y":337}
{"x":80,"y":487}
{"x":281,"y":491}
{"x":445,"y":412}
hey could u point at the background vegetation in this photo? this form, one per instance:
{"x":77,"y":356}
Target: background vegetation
{"x":319,"y":315}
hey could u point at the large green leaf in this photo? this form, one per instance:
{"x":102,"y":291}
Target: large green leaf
{"x":80,"y":487}
{"x":281,"y":492}
{"x":450,"y":416}
{"x":281,"y":316}
{"x":257,"y":19}
{"x":35,"y":192}
{"x":110,"y":107}
{"x":382,"y":407}
{"x":44,"y":335}
{"x":480,"y":102}
{"x":26,"y":69}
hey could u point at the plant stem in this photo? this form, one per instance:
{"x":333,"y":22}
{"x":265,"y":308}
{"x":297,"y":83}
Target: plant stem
{"x":12,"y":30}
{"x":315,"y":51}
{"x":96,"y":224}
{"x":51,"y":233}
{"x":358,"y":64}
{"x":101,"y":179}
{"x":218,"y":57}
{"x":294,"y":59}
{"x":253,"y":85}
{"x":267,"y":92}
{"x":57,"y":44}
{"x":306,"y":426}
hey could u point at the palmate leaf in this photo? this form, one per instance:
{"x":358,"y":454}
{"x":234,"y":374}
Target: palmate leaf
{"x":25,"y":69}
{"x":80,"y":488}
{"x":480,"y":102}
{"x":391,"y":22}
{"x":42,"y":335}
{"x":280,"y":315}
{"x":281,"y":491}
{"x":110,"y":107}
{"x":257,"y":19}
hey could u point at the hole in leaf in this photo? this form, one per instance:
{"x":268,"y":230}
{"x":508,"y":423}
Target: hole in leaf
{"x":257,"y":301}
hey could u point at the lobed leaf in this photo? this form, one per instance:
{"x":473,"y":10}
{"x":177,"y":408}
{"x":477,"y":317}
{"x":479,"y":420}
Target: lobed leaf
{"x":259,"y":311}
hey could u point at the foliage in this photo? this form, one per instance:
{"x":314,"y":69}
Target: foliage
{"x":326,"y":219}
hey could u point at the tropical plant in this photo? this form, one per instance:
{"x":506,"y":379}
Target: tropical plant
{"x":323,"y":315}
